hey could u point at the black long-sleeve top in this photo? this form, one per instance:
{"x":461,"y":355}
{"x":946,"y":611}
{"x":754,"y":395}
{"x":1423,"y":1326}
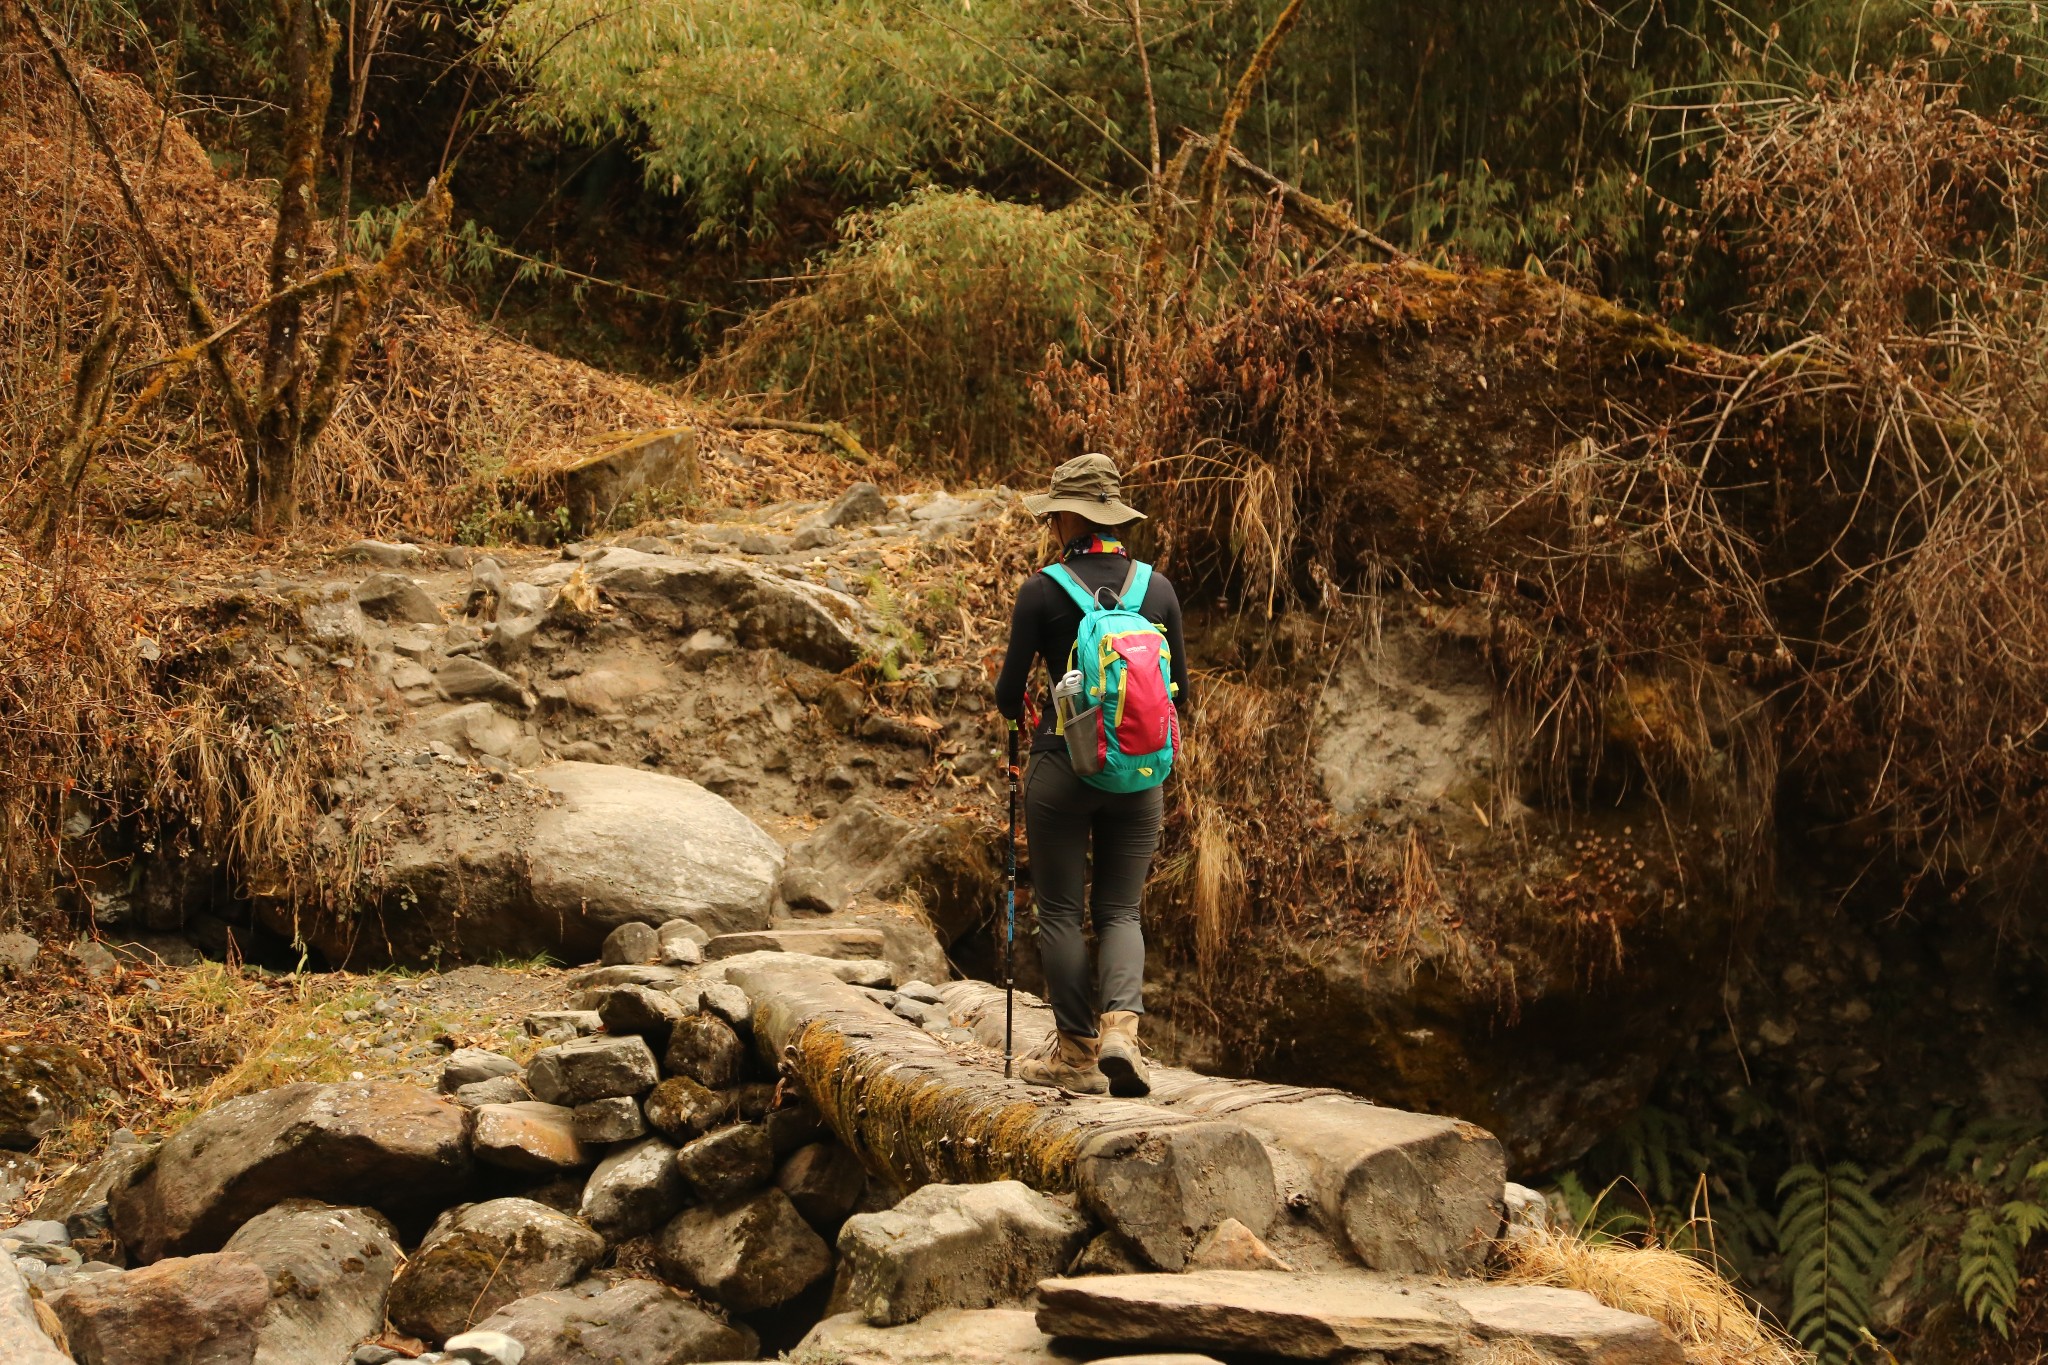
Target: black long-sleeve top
{"x":1046,"y":620}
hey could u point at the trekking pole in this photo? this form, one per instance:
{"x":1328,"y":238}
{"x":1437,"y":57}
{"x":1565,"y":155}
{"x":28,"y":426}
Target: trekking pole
{"x":1010,"y":915}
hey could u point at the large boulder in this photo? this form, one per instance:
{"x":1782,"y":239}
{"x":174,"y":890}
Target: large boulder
{"x":642,"y":1322}
{"x":480,"y":1257}
{"x":398,"y":1148}
{"x":196,"y":1310}
{"x":954,"y":1246}
{"x":749,"y":1254}
{"x":757,"y":607}
{"x":588,"y":847}
{"x":629,"y":844}
{"x":330,"y":1274}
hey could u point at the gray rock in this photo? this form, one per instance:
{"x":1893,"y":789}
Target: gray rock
{"x":330,"y":1274}
{"x":680,"y":1108}
{"x":466,"y":676}
{"x":634,"y":1190}
{"x":376,"y":1355}
{"x":727,"y":1163}
{"x":630,"y":943}
{"x":484,"y":1348}
{"x":39,"y":1231}
{"x":1302,"y":1317}
{"x":592,"y":1069}
{"x":467,"y":1065}
{"x":824,"y":1180}
{"x":609,"y":1120}
{"x":18,"y":952}
{"x":704,"y":1048}
{"x":79,"y":1198}
{"x":729,"y":1003}
{"x":637,"y":1322}
{"x":678,"y":937}
{"x":813,"y":538}
{"x":591,"y":980}
{"x":1110,"y":1254}
{"x":196,"y":1310}
{"x":480,"y":729}
{"x":575,"y":1023}
{"x":394,"y":597}
{"x":512,"y":638}
{"x":984,"y":1336}
{"x":748,"y":1254}
{"x":923,"y":991}
{"x":22,"y":1339}
{"x":479,"y":1257}
{"x":627,"y":844}
{"x":643,"y":1012}
{"x":382,"y":552}
{"x":528,"y":1135}
{"x":796,"y":1126}
{"x":858,"y":505}
{"x":394,"y":1145}
{"x":1527,"y":1210}
{"x":954,"y":1246}
{"x":496,"y":1090}
{"x":332,"y":618}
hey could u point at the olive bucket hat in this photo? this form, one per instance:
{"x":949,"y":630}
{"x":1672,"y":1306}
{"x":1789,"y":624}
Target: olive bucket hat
{"x":1086,"y":485}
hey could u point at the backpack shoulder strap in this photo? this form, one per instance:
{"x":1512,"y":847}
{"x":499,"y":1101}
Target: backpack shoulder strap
{"x":1132,"y":598}
{"x":1060,"y":574}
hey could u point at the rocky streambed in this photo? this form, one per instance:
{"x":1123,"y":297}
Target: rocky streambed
{"x":729,"y":1146}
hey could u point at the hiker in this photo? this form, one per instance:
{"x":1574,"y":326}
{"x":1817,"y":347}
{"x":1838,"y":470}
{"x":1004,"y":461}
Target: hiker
{"x":1113,"y":807}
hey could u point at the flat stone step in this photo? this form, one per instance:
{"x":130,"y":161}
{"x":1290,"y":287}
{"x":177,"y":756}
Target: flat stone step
{"x":1567,"y":1325}
{"x":843,"y":943}
{"x":982,"y":1336}
{"x":1300,"y":1317}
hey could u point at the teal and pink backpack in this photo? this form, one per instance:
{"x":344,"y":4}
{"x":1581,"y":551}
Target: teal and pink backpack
{"x":1127,"y":732}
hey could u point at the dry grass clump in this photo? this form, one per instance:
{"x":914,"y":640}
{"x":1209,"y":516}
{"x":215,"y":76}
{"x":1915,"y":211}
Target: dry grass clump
{"x":133,"y":716}
{"x":1713,"y":1323}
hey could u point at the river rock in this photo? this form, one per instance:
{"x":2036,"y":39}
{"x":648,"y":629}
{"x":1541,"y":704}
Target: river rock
{"x":704,"y":1048}
{"x":628,"y":844}
{"x":681,"y":943}
{"x":396,"y":598}
{"x":641,"y":1011}
{"x":985,"y":1336}
{"x":592,"y":1069}
{"x":22,"y":1338}
{"x":330,"y":1274}
{"x":484,"y":1348}
{"x":601,"y":1122}
{"x":824,"y":1180}
{"x":1302,"y":1317}
{"x":1233,"y":1246}
{"x":562,"y":1025}
{"x":496,"y":1090}
{"x":397,"y":1146}
{"x":727,"y":1163}
{"x":467,"y":1065}
{"x":857,"y":506}
{"x":634,"y":942}
{"x":480,"y":1257}
{"x":528,"y":1135}
{"x":640,"y":1322}
{"x":954,"y":1246}
{"x":465,"y":676}
{"x":729,"y":1003}
{"x":749,"y":1254}
{"x":42,"y":1085}
{"x":848,"y":944}
{"x":78,"y":1199}
{"x":195,"y":1310}
{"x":679,"y":1108}
{"x":634,"y":1190}
{"x":479,"y":729}
{"x":332,"y":618}
{"x":1568,"y":1325}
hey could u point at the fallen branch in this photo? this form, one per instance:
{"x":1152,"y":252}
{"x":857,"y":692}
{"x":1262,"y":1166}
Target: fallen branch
{"x":1318,"y":211}
{"x":829,"y":431}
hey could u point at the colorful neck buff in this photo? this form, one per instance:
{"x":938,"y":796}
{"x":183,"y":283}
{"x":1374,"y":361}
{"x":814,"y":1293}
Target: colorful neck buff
{"x":1095,"y":543}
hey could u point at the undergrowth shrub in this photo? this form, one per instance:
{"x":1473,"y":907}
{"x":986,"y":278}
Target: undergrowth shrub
{"x":922,"y":329}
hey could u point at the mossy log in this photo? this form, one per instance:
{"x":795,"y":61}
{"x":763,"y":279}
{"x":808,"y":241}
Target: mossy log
{"x":1411,"y":1193}
{"x":917,"y":1111}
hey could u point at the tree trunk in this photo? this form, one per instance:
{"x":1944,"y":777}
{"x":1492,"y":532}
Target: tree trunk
{"x":92,"y":387}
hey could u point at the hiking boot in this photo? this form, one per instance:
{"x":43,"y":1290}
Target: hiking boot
{"x":1119,"y":1058}
{"x":1067,"y":1062}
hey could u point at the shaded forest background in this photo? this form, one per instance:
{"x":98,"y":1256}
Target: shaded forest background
{"x":1812,"y":586}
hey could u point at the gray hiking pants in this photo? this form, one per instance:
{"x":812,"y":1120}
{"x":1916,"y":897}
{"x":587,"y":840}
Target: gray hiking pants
{"x":1063,"y":816}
